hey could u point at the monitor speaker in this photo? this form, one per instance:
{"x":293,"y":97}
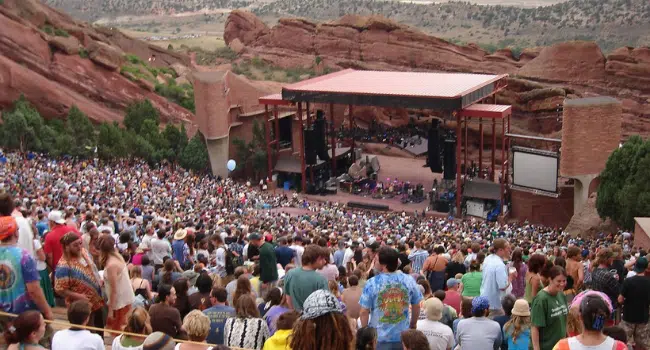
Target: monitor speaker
{"x":449,"y":156}
{"x":310,"y":146}
{"x":433,"y":148}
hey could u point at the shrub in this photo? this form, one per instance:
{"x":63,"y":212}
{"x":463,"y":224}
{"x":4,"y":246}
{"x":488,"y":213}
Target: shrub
{"x":61,"y":32}
{"x":133,"y":59}
{"x":83,"y":53}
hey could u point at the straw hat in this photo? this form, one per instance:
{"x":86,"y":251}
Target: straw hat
{"x":180,"y":234}
{"x":521,"y":308}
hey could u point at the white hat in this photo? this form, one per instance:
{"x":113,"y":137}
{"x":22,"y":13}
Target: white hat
{"x":56,"y":216}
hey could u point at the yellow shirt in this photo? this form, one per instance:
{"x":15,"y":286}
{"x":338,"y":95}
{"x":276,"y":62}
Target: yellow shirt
{"x":279,"y":340}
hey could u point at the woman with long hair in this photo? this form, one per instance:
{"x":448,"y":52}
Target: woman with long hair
{"x":517,"y":330}
{"x":247,"y":329}
{"x":455,"y":266}
{"x":137,"y":322}
{"x":519,"y":282}
{"x":533,"y":283}
{"x":273,"y":297}
{"x":322,"y":325}
{"x":549,"y":311}
{"x":275,"y":311}
{"x":182,"y":299}
{"x":243,"y":286}
{"x":25,"y":331}
{"x":594,"y":313}
{"x":117,"y":282}
{"x":140,"y":285}
{"x":168,"y":274}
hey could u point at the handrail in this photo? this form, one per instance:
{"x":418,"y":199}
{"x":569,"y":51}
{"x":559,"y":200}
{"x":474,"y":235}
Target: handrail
{"x":91,"y":328}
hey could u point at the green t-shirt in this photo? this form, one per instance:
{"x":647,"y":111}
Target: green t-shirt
{"x":472,"y":284}
{"x":268,"y":263}
{"x":549,"y":314}
{"x":299,"y":284}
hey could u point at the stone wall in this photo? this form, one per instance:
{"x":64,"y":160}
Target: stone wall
{"x":543,"y":210}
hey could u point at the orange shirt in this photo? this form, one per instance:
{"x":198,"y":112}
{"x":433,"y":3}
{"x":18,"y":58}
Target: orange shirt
{"x":436,"y":263}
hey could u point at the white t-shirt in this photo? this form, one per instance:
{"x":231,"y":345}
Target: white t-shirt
{"x":299,"y":250}
{"x":160,"y":248}
{"x":118,"y":346}
{"x":439,"y":335}
{"x":25,"y":234}
{"x":574,"y":344}
{"x":78,"y":340}
{"x":40,"y":265}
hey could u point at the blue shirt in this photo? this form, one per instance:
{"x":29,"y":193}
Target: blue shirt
{"x":495,"y":278}
{"x":218,"y":315}
{"x":178,"y":249}
{"x":522,"y":342}
{"x":17,"y":269}
{"x":284,"y":254}
{"x":388,"y":296}
{"x":338,"y":257}
{"x":42,"y":226}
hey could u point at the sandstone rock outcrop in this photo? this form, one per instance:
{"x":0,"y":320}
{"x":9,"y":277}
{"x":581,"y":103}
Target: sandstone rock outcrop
{"x":48,"y":71}
{"x":542,"y":77}
{"x":587,"y":222}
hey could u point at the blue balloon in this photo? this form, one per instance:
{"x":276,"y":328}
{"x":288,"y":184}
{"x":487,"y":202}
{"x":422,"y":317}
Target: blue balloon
{"x":231,"y":165}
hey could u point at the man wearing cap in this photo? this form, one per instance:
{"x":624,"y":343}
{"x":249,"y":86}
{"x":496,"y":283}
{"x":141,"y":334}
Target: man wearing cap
{"x":385,"y":301}
{"x":268,"y":264}
{"x":452,"y":295}
{"x":635,"y":297}
{"x":52,"y":247}
{"x":479,"y":332}
{"x":439,"y":335}
{"x":20,"y":281}
{"x":180,"y":249}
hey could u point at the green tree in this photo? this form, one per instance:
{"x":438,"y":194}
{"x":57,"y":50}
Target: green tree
{"x":624,"y":191}
{"x":176,"y":141}
{"x":82,"y":131}
{"x":111,"y":142}
{"x":138,"y":112}
{"x":253,"y":153}
{"x":22,"y":127}
{"x":195,"y":154}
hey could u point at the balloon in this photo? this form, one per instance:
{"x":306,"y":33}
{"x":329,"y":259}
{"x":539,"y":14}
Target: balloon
{"x":231,"y":165}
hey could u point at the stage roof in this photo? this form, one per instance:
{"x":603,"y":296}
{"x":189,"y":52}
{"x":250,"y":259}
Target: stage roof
{"x":440,"y":91}
{"x":487,"y":111}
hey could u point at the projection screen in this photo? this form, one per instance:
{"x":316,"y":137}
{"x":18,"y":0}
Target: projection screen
{"x":536,"y":169}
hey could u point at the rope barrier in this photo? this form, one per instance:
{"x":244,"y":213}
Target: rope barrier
{"x":91,"y":328}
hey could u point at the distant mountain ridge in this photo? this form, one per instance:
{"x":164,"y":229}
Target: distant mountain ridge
{"x":611,"y":23}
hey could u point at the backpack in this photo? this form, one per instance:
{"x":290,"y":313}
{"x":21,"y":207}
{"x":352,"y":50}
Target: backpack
{"x":231,"y":261}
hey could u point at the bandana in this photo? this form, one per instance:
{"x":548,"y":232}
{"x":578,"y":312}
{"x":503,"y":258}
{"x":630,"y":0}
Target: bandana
{"x":479,"y":304}
{"x":8,"y":226}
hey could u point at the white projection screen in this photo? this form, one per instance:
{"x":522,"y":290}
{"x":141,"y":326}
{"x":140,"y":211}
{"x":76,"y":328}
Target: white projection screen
{"x":535,"y":169}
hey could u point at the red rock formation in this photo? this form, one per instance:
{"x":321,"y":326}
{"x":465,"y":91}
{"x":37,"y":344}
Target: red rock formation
{"x":51,"y":75}
{"x":573,"y":61}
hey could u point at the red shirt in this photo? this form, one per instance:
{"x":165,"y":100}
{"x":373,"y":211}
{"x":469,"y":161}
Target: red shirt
{"x":453,"y":299}
{"x":52,"y":242}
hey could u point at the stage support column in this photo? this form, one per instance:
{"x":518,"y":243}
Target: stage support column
{"x":350,"y":109}
{"x":267,"y":136}
{"x":303,"y":168}
{"x":458,"y":157}
{"x":508,"y":146}
{"x":333,"y":135}
{"x":466,"y":148}
{"x":277,"y":129}
{"x":480,"y":147}
{"x":494,"y":147}
{"x":308,"y":112}
{"x":503,"y":161}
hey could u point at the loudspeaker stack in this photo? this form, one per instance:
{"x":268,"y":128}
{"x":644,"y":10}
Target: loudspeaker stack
{"x":449,"y":158}
{"x":433,"y":148}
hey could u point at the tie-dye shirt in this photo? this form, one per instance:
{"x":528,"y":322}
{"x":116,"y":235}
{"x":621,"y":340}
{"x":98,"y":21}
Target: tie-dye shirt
{"x":17,"y":269}
{"x":388,"y":296}
{"x":79,"y":276}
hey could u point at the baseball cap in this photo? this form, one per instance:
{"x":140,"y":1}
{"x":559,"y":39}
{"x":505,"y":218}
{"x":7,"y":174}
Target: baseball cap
{"x":641,"y":265}
{"x":254,"y":237}
{"x":452,"y":282}
{"x":56,"y":216}
{"x":158,"y":341}
{"x":433,"y":308}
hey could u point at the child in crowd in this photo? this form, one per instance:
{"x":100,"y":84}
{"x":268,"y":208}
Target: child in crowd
{"x":517,"y":330}
{"x":280,"y":339}
{"x":366,"y":338}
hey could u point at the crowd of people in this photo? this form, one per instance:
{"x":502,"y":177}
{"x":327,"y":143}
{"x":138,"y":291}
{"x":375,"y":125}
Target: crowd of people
{"x":160,"y":258}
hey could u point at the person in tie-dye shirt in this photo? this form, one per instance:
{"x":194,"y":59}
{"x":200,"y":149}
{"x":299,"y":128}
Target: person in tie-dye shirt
{"x":386,"y":299}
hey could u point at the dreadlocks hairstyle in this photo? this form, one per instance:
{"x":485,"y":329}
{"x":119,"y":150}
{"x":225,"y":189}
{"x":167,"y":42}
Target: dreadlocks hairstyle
{"x":329,"y":331}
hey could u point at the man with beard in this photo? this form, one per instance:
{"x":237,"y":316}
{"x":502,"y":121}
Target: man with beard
{"x":77,"y":278}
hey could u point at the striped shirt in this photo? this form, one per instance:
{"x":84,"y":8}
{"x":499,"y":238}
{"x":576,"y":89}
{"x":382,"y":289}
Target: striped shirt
{"x":79,"y":276}
{"x":417,"y":258}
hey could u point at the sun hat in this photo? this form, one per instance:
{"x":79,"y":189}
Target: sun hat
{"x":180,"y":234}
{"x":56,"y":216}
{"x":8,"y":226}
{"x":521,"y":308}
{"x":158,"y":341}
{"x":433,"y":308}
{"x":319,"y":303}
{"x":479,"y":304}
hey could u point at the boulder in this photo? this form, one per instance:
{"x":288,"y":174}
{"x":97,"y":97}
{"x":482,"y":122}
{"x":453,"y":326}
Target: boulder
{"x":573,"y":61}
{"x":146,"y":84}
{"x":68,"y":45}
{"x":105,"y":55}
{"x":587,"y":222}
{"x":180,"y":69}
{"x":237,"y":46}
{"x":245,"y":26}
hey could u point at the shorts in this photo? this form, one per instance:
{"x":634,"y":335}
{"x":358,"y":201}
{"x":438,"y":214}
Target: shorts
{"x":637,"y":333}
{"x":118,"y":321}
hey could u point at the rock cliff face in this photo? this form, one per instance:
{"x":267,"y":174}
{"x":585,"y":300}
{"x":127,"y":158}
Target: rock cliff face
{"x":542,"y":77}
{"x":52,"y":74}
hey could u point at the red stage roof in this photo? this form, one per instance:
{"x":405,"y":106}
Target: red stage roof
{"x":415,"y":84}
